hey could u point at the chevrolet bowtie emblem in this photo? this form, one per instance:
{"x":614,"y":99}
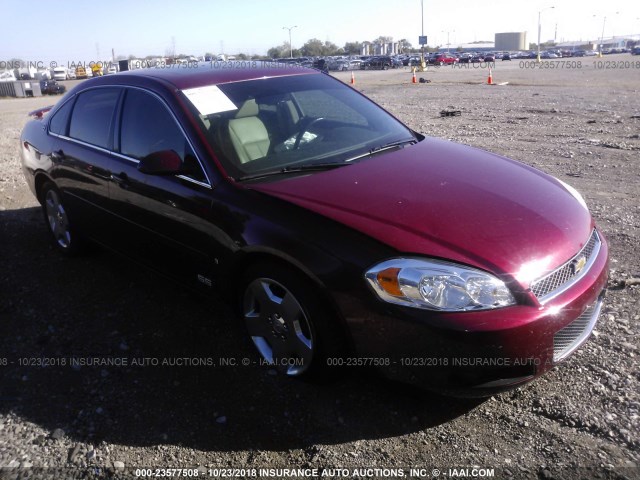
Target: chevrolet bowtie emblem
{"x":578,"y":264}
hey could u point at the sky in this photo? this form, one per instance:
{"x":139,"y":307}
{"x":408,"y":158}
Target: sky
{"x":81,"y":30}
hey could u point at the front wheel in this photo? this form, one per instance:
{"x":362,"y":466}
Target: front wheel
{"x":287,"y":323}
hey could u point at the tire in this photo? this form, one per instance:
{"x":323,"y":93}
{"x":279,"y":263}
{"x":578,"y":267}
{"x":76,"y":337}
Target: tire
{"x":288,"y":324}
{"x":61,"y":230}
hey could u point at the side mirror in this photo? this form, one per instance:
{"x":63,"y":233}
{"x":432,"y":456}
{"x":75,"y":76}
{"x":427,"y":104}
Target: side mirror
{"x":164,"y":162}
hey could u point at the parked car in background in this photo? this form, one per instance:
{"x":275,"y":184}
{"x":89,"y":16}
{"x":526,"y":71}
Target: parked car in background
{"x":321,"y":64}
{"x":506,"y":56}
{"x":96,"y":70}
{"x":326,"y":221}
{"x":81,"y":72}
{"x":111,"y":70}
{"x":25,"y":73}
{"x":345,"y":64}
{"x":59,"y":73}
{"x":339,"y":65}
{"x":489,"y":57}
{"x":635,"y":50}
{"x":411,"y":61}
{"x":51,"y":87}
{"x":380,"y":62}
{"x":443,"y":59}
{"x":354,"y":63}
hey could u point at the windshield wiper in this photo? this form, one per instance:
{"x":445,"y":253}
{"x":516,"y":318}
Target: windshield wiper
{"x":293,"y":169}
{"x":382,"y":148}
{"x":327,"y":166}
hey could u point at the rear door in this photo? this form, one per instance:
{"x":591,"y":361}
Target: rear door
{"x":83,"y":132}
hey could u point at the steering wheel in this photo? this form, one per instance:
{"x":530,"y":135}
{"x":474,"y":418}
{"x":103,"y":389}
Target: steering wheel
{"x":306,"y":123}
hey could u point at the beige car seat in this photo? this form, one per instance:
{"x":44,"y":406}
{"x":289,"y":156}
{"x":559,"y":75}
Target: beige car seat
{"x":248,"y":134}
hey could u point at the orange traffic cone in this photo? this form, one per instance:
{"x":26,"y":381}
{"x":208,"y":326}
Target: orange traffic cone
{"x":414,"y":79}
{"x":490,"y":79}
{"x":353,"y":79}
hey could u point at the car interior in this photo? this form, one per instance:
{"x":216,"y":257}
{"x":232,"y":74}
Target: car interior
{"x":290,"y":123}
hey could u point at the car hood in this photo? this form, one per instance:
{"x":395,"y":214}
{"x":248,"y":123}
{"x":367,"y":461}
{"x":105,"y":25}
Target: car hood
{"x":446,"y":200}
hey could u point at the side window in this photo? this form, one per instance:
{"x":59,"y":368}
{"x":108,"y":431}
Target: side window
{"x":60,"y":120}
{"x":92,"y":116}
{"x":147,"y":127}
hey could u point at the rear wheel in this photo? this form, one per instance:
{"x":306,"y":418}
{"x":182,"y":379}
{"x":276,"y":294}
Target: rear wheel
{"x":287,"y":323}
{"x":58,"y":223}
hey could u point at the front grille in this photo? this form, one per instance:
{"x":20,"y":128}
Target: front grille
{"x":564,"y":276}
{"x":567,"y":340}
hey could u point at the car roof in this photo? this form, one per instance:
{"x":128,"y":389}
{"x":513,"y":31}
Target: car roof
{"x":216,"y":72}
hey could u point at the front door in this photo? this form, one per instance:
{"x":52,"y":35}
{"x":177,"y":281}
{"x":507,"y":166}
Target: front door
{"x":166,"y":217}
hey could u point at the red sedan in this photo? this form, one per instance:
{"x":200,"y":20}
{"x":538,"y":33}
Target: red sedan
{"x":345,"y":238}
{"x":444,"y":59}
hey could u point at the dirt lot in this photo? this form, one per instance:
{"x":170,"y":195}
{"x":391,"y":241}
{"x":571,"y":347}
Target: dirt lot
{"x":579,"y":123}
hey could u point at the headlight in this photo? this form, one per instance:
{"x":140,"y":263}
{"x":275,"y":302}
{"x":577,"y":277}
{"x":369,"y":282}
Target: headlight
{"x":437,"y":285}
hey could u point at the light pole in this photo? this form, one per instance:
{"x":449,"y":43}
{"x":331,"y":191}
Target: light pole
{"x":422,"y":62}
{"x":290,"y":45}
{"x":447,"y":32}
{"x":540,"y":28}
{"x":613,"y":35}
{"x":604,"y":22}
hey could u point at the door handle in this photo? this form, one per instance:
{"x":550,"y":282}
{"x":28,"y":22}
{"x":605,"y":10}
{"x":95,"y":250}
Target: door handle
{"x":121,"y":179}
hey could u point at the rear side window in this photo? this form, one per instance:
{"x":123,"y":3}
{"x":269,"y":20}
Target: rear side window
{"x":60,"y":120}
{"x":93,"y":115}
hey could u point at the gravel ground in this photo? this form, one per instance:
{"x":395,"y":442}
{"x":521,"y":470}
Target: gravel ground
{"x":579,"y":421}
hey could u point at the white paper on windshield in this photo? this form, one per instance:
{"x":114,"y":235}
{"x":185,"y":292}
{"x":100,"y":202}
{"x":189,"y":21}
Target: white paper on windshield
{"x":209,"y":100}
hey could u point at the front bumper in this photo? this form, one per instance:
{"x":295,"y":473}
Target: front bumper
{"x":477,"y":353}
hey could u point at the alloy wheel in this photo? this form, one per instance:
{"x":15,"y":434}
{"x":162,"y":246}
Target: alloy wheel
{"x":279,"y":326}
{"x":57,"y":219}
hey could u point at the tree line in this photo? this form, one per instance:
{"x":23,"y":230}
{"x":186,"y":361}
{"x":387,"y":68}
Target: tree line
{"x":318,"y":48}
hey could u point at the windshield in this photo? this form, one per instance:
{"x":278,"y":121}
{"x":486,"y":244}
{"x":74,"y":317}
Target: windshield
{"x":276,"y":125}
